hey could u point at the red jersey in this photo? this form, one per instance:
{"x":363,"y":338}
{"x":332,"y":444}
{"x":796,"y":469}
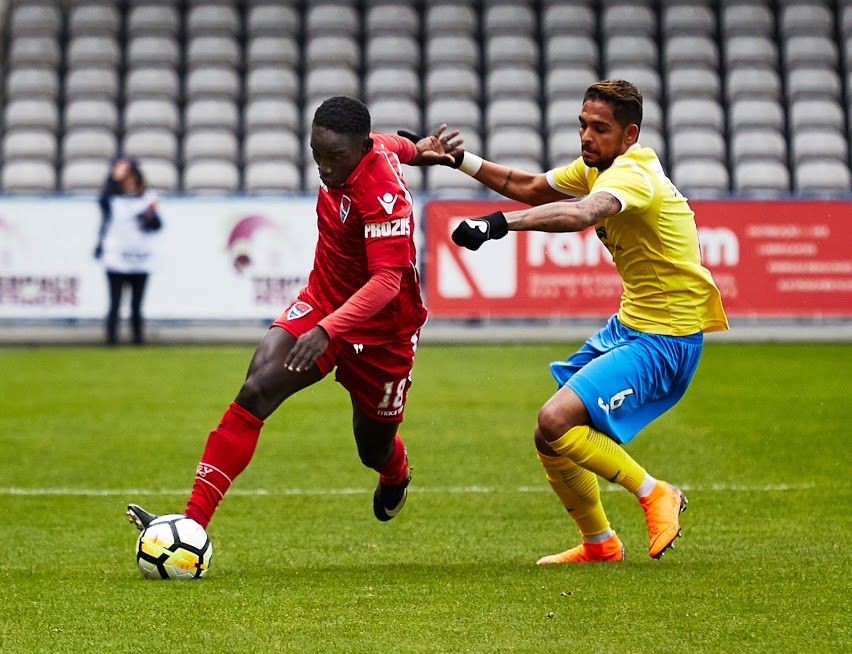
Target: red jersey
{"x":366,"y":225}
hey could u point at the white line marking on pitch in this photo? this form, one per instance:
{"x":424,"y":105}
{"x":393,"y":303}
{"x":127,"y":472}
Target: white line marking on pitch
{"x":315,"y":492}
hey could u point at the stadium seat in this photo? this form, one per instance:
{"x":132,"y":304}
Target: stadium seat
{"x":392,"y":50}
{"x":272,"y":20}
{"x":91,"y":82}
{"x":34,"y":20}
{"x":151,"y":142}
{"x":29,"y":82}
{"x":92,"y":51}
{"x":155,"y":51}
{"x":579,"y":50}
{"x":514,"y":142}
{"x":326,"y":81}
{"x":334,"y":19}
{"x":693,"y":81}
{"x":212,"y":81}
{"x":218,"y":19}
{"x":272,"y":81}
{"x":512,"y":81}
{"x":508,"y":19}
{"x":212,"y":51}
{"x":89,"y":142}
{"x":28,"y":176}
{"x":819,"y":143}
{"x":568,"y":81}
{"x":31,"y":113}
{"x":207,"y":143}
{"x":29,"y":144}
{"x":631,"y":19}
{"x":822,"y":176}
{"x":753,"y":82}
{"x":697,"y":143}
{"x":153,"y":20}
{"x":697,"y":19}
{"x":624,"y":49}
{"x":813,"y":83}
{"x":271,"y":144}
{"x":763,"y":143}
{"x":271,"y":113}
{"x":33,"y":51}
{"x":84,"y":175}
{"x":564,"y":19}
{"x":446,"y":182}
{"x":805,"y":18}
{"x":450,"y":18}
{"x":392,"y":114}
{"x":151,"y":113}
{"x":646,"y":78}
{"x":651,"y":137}
{"x":460,"y":113}
{"x":746,"y":18}
{"x":692,"y":50}
{"x":701,"y":177}
{"x":748,"y":114}
{"x":512,"y":112}
{"x":562,"y":113}
{"x":94,"y":19}
{"x":458,"y":50}
{"x":332,"y":51}
{"x":215,"y":113}
{"x":816,"y":113}
{"x":210,"y":176}
{"x":815,"y":51}
{"x":393,"y":19}
{"x":391,"y":81}
{"x":457,"y":82}
{"x":511,"y":50}
{"x":755,"y":176}
{"x":563,"y":146}
{"x":272,"y":177}
{"x":91,"y":113}
{"x":159,"y":83}
{"x":750,"y":51}
{"x":161,"y":174}
{"x":695,"y":112}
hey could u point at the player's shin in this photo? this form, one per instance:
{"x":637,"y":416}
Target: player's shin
{"x":228,"y":450}
{"x":595,"y":451}
{"x":578,"y":490}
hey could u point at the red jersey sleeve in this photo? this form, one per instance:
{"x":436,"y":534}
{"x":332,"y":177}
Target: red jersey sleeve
{"x":402,"y":147}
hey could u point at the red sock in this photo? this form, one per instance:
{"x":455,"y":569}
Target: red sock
{"x":228,"y":451}
{"x":395,"y":470}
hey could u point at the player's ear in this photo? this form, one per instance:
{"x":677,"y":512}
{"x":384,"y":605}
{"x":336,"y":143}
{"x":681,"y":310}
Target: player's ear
{"x":631,"y":134}
{"x":367,"y":145}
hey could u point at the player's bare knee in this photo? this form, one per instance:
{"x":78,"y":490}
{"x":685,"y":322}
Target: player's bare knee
{"x":552,"y":423}
{"x":251,"y":396}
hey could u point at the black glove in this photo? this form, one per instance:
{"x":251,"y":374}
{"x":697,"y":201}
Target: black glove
{"x":473,"y":232}
{"x":411,"y":136}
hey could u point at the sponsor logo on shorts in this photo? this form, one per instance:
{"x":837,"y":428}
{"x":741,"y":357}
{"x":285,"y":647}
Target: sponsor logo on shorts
{"x":298,"y":309}
{"x":358,"y":347}
{"x":615,"y":401}
{"x":395,"y":227}
{"x":390,"y":412}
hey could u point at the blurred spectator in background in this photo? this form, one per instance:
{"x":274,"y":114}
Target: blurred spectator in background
{"x":127,"y":241}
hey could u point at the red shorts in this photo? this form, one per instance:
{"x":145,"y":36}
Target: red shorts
{"x":377,"y":376}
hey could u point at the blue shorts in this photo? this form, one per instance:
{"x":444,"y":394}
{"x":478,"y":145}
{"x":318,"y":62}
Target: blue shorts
{"x":627,"y":378}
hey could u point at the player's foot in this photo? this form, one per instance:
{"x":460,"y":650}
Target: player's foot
{"x":662,"y":514}
{"x":138,"y":516}
{"x":608,"y":550}
{"x":389,"y":500}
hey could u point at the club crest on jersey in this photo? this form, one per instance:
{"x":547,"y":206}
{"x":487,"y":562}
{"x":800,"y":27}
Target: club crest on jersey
{"x":345,"y":205}
{"x":298,"y":309}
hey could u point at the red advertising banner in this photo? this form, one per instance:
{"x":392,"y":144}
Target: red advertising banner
{"x":769,"y":259}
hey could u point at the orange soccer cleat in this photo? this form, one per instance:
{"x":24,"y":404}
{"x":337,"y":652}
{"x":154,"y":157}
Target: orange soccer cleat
{"x":662,"y":514}
{"x":611,"y":549}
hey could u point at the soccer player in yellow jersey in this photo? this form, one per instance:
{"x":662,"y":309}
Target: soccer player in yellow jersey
{"x":640,"y":364}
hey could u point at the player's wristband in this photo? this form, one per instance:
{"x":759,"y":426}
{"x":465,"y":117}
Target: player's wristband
{"x":470,"y":164}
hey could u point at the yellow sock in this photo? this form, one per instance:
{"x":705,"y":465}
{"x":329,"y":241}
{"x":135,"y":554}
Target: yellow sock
{"x":579,"y":492}
{"x":592,"y":450}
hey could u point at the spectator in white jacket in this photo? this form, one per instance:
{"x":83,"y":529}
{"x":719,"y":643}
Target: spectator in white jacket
{"x":127,"y":241}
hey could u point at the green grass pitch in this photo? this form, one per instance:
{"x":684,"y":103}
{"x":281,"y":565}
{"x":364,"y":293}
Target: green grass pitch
{"x":759,"y":444}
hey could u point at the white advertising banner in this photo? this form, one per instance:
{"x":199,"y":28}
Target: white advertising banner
{"x":218,"y":259}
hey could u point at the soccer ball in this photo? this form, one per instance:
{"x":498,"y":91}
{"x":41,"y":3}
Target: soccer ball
{"x":173,"y":547}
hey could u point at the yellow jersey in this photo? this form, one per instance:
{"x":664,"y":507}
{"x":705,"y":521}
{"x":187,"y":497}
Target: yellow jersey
{"x":654,"y":244}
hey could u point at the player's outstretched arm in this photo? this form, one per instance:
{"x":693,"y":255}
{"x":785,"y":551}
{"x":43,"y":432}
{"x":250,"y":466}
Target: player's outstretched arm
{"x":471,"y":233}
{"x":439,"y":148}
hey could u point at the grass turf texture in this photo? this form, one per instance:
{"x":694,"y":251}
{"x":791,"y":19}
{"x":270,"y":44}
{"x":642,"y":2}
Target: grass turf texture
{"x":759,"y":443}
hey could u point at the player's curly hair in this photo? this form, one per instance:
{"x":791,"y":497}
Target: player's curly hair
{"x":343,"y":115}
{"x":624,"y":98}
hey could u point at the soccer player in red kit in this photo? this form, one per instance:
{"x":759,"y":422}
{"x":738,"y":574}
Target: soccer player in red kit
{"x":360,"y":313}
